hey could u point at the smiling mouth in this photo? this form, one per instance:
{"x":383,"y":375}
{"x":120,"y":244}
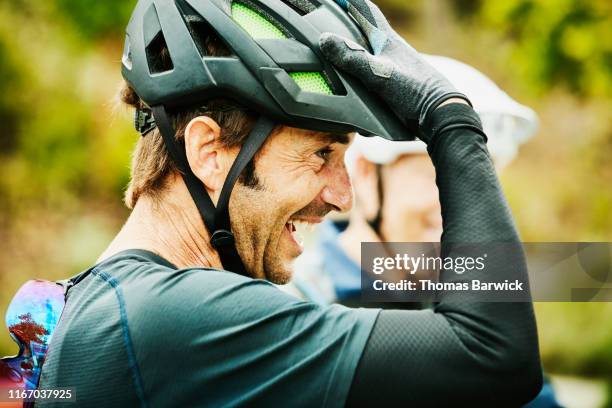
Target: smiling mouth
{"x":298,"y":227}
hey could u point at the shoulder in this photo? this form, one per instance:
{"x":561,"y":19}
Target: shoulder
{"x":188,"y":301}
{"x":194,"y":301}
{"x":158,"y":288}
{"x":220,"y":325}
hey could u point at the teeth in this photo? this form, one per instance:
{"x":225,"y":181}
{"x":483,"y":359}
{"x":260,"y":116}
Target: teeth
{"x":304,"y":226}
{"x":298,"y":234}
{"x":299,"y":229}
{"x":299,"y":238}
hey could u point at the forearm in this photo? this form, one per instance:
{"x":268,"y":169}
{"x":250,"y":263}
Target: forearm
{"x":501,"y":337}
{"x":474,"y":209}
{"x":464,"y":350}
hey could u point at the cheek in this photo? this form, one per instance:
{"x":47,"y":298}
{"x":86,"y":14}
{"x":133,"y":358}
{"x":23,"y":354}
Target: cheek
{"x":298,"y":188}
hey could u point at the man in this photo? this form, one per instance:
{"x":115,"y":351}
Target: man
{"x":180,"y":311}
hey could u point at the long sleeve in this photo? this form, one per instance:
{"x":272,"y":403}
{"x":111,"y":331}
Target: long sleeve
{"x":464,"y":350}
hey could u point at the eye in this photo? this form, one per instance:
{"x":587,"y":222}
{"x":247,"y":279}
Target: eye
{"x":324,"y":153}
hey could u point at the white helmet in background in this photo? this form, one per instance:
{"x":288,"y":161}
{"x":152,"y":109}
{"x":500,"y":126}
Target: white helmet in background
{"x":507,"y":123}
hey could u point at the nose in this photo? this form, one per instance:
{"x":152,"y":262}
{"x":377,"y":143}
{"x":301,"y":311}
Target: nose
{"x":339,"y":192}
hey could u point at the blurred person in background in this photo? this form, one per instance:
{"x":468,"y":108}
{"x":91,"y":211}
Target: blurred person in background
{"x":383,"y":172}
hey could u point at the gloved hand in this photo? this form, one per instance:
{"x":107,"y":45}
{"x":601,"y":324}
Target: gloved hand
{"x":395,"y":71}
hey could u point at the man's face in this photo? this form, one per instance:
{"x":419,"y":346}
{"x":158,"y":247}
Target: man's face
{"x":301,"y":177}
{"x":411,"y":206}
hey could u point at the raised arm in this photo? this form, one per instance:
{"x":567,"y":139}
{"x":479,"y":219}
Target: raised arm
{"x":464,"y":350}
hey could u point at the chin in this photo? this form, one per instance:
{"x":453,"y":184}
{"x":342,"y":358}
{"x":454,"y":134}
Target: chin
{"x":282,"y":279}
{"x":280,"y":271}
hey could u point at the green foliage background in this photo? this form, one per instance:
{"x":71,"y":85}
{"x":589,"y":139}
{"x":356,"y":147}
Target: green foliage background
{"x":65,"y":145}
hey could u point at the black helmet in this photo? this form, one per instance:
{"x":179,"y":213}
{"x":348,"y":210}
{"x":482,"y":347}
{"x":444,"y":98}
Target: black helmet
{"x":276,"y":69}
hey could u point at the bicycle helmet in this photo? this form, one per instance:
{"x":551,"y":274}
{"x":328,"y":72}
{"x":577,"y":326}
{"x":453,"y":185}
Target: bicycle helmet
{"x":276,"y":69}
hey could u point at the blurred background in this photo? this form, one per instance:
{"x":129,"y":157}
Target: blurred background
{"x":65,"y":144}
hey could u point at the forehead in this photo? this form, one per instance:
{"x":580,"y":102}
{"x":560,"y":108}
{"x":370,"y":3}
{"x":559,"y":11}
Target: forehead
{"x":302,"y":137}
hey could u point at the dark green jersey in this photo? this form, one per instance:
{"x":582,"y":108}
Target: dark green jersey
{"x":138,"y":331}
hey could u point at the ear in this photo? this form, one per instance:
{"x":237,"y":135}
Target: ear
{"x":205,"y":155}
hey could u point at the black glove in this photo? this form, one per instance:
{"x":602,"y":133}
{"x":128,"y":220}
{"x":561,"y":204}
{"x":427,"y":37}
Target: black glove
{"x":396,"y":72}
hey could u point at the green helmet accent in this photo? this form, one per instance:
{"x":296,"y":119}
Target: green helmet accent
{"x":311,"y":82}
{"x":254,"y":23}
{"x":259,"y":27}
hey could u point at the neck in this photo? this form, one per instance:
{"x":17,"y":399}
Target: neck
{"x":171,"y":228}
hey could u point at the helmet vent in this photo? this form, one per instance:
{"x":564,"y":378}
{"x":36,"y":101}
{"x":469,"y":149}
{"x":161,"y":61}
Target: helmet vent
{"x":158,"y":55}
{"x":261,"y":26}
{"x":126,"y":59}
{"x":204,"y":36}
{"x":302,"y":7}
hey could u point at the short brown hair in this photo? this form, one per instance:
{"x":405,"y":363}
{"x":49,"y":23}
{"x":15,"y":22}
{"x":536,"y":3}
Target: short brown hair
{"x":151,"y":164}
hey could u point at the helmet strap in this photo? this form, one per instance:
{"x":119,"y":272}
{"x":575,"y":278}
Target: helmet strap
{"x":216,"y":219}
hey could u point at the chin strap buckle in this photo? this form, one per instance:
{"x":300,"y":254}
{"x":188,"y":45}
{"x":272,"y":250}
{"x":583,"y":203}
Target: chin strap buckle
{"x":144,"y":122}
{"x":222,"y":238}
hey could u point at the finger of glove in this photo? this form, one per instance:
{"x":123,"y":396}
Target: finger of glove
{"x":380,"y":19}
{"x":354,"y":59}
{"x":371,"y":21}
